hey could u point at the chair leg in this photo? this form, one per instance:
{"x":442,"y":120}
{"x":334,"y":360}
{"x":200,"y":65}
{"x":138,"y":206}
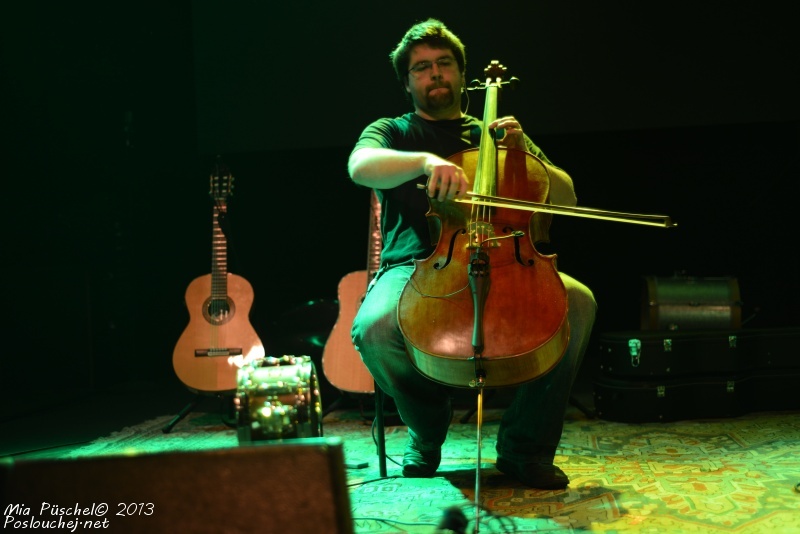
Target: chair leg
{"x":379,"y":427}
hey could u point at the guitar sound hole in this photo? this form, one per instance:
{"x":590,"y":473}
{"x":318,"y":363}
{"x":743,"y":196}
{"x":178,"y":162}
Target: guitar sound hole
{"x":218,"y":311}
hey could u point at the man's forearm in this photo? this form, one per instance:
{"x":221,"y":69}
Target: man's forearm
{"x":384,"y":168}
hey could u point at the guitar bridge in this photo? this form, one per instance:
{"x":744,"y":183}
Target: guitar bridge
{"x":198,"y":353}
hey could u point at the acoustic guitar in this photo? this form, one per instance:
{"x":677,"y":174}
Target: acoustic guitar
{"x":219,"y":338}
{"x":341,"y":362}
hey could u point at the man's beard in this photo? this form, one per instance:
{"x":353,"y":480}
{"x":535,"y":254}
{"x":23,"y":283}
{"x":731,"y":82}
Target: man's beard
{"x":440,"y":101}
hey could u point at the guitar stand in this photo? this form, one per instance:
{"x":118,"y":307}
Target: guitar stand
{"x":183,"y":413}
{"x":188,"y":409}
{"x":333,"y":406}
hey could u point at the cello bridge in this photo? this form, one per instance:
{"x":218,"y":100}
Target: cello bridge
{"x":481,"y":234}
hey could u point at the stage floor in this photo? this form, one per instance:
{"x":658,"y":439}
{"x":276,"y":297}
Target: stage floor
{"x":722,"y":475}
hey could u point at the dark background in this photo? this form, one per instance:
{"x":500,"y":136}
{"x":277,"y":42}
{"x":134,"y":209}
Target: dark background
{"x":114,"y":112}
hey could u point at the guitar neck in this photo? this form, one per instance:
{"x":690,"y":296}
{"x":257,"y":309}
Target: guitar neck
{"x":219,"y":255}
{"x":375,"y":242}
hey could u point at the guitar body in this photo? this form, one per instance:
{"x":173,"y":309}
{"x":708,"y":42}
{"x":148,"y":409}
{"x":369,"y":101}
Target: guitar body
{"x":341,"y":362}
{"x":214,"y":345}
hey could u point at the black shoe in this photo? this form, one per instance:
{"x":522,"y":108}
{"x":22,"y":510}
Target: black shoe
{"x":540,"y":475}
{"x":420,"y":464}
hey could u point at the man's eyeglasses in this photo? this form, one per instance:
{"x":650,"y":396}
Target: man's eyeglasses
{"x":426,"y":66}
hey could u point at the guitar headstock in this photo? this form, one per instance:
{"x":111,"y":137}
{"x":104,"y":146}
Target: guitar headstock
{"x":220,"y":182}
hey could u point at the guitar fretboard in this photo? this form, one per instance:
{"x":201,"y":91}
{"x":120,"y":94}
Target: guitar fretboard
{"x":375,"y":241}
{"x":219,"y":256}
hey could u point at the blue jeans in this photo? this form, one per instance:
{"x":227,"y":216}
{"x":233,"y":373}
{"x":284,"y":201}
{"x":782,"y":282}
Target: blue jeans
{"x":531,"y":426}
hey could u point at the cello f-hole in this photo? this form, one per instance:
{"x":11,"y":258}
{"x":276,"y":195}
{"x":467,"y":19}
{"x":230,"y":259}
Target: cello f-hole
{"x":453,"y":238}
{"x":517,"y":254}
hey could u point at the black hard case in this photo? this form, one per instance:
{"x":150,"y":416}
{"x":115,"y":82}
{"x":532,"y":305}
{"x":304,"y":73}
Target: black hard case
{"x":669,"y":375}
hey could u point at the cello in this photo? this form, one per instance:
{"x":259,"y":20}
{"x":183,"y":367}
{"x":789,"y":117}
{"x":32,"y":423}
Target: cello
{"x":486,"y":308}
{"x":486,"y":276}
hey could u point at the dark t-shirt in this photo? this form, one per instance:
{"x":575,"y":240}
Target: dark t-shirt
{"x":404,"y":227}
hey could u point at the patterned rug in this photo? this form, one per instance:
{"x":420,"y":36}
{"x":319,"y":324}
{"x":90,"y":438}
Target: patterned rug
{"x":724,"y":475}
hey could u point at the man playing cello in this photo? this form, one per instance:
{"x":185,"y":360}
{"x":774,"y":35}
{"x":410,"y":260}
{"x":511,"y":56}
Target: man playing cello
{"x":393,"y":156}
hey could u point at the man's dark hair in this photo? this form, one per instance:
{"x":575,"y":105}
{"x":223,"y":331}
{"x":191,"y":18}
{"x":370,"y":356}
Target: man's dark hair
{"x":433,"y":33}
